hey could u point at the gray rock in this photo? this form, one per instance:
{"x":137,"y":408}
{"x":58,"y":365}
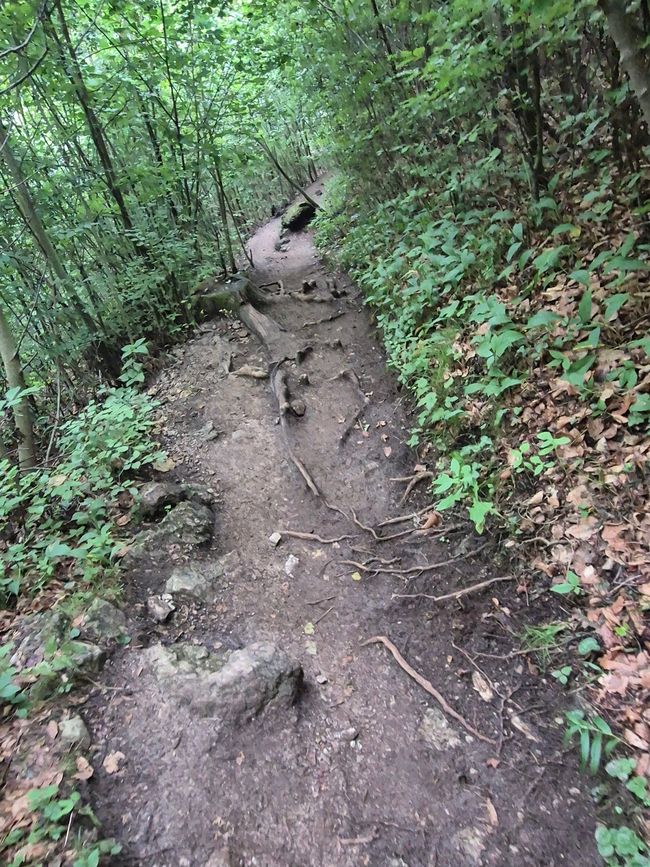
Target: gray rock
{"x":204,"y":579}
{"x":275,"y":539}
{"x":36,"y":635}
{"x":73,"y":734}
{"x":195,"y":579}
{"x":227,"y":685}
{"x":86,"y":656}
{"x":104,"y":621}
{"x":435,"y":729}
{"x":160,"y":607}
{"x":187,"y":526}
{"x":219,"y":858}
{"x":153,"y":497}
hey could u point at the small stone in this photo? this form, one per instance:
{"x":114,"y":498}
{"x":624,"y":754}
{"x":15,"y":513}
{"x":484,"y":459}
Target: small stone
{"x":160,"y":607}
{"x":303,"y":379}
{"x":320,"y":678}
{"x":298,"y":407}
{"x":198,"y":579}
{"x":208,"y":432}
{"x":290,"y":565}
{"x":73,"y":733}
{"x":275,"y":539}
{"x":435,"y":729}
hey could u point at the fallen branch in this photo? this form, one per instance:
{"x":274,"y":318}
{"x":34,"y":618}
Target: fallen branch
{"x":324,"y":319}
{"x":456,"y":595}
{"x":427,"y":686}
{"x":318,"y":601}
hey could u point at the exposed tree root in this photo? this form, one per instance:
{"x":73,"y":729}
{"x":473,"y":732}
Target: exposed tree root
{"x":401,"y":518}
{"x":427,"y":686}
{"x":456,"y":594}
{"x":412,"y":482}
{"x":312,"y":537}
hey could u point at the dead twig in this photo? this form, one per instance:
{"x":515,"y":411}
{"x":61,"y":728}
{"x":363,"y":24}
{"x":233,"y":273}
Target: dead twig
{"x":456,"y":594}
{"x":324,"y":319}
{"x":323,"y":615}
{"x":318,"y":601}
{"x":427,"y":686}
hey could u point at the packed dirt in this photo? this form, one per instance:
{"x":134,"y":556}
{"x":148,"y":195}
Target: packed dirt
{"x":365,"y":767}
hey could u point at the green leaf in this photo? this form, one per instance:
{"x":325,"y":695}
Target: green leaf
{"x":584,"y":308}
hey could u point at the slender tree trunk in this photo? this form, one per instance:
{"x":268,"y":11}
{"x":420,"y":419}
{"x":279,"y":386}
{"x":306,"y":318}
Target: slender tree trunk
{"x":224,"y":213}
{"x":27,"y":206}
{"x":95,"y":128}
{"x":629,"y":41}
{"x":15,"y":379}
{"x":277,"y":165}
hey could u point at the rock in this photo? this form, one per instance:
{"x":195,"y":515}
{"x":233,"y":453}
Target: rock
{"x":290,"y":565}
{"x":86,"y":656}
{"x":187,"y":526}
{"x":73,"y":734}
{"x":298,"y":407}
{"x":228,"y":685}
{"x":153,"y":497}
{"x":33,"y":633}
{"x":195,"y":579}
{"x":219,"y":858}
{"x":208,"y":432}
{"x":435,"y":729}
{"x":297,"y":216}
{"x":275,"y":539}
{"x":104,"y":621}
{"x":160,"y":607}
{"x":471,"y":842}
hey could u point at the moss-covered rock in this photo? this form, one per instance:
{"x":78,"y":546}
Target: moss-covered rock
{"x":297,"y":216}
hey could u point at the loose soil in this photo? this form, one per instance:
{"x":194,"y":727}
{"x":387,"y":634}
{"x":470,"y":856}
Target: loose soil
{"x":361,"y":771}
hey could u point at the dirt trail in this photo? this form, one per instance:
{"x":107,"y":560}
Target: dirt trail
{"x":361,"y":771}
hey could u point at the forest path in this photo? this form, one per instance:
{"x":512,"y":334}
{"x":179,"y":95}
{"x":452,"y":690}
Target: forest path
{"x":362,"y":769}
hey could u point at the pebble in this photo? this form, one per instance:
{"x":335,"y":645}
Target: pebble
{"x":275,"y":539}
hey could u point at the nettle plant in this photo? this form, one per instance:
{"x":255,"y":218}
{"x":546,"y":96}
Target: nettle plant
{"x":62,"y":514}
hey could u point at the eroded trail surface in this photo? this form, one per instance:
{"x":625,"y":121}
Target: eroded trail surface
{"x":364,"y":767}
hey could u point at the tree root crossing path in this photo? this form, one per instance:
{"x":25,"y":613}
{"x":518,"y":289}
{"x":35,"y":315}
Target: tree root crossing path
{"x":327,"y":673}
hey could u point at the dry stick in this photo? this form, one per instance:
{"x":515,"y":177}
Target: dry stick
{"x":318,"y":601}
{"x":324,"y":615}
{"x":313,"y":537}
{"x":456,"y":595}
{"x":325,"y":319}
{"x":427,"y":686}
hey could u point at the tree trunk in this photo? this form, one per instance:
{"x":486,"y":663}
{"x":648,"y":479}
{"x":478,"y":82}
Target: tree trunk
{"x":277,"y":165}
{"x":15,"y":379}
{"x":27,"y":206}
{"x":629,"y":41}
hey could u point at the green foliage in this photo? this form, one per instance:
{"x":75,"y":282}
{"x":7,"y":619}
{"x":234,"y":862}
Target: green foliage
{"x":595,"y":737}
{"x":65,"y":512}
{"x":621,"y":847}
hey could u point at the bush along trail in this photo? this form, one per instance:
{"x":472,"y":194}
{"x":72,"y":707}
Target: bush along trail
{"x":324,"y":540}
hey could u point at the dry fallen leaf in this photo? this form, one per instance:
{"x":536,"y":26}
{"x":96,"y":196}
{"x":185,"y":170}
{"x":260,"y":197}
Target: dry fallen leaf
{"x":482,"y":687}
{"x":492,"y":813}
{"x":524,"y":728}
{"x":432,"y":520}
{"x":111,"y":763}
{"x":52,"y":729}
{"x":84,"y":769}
